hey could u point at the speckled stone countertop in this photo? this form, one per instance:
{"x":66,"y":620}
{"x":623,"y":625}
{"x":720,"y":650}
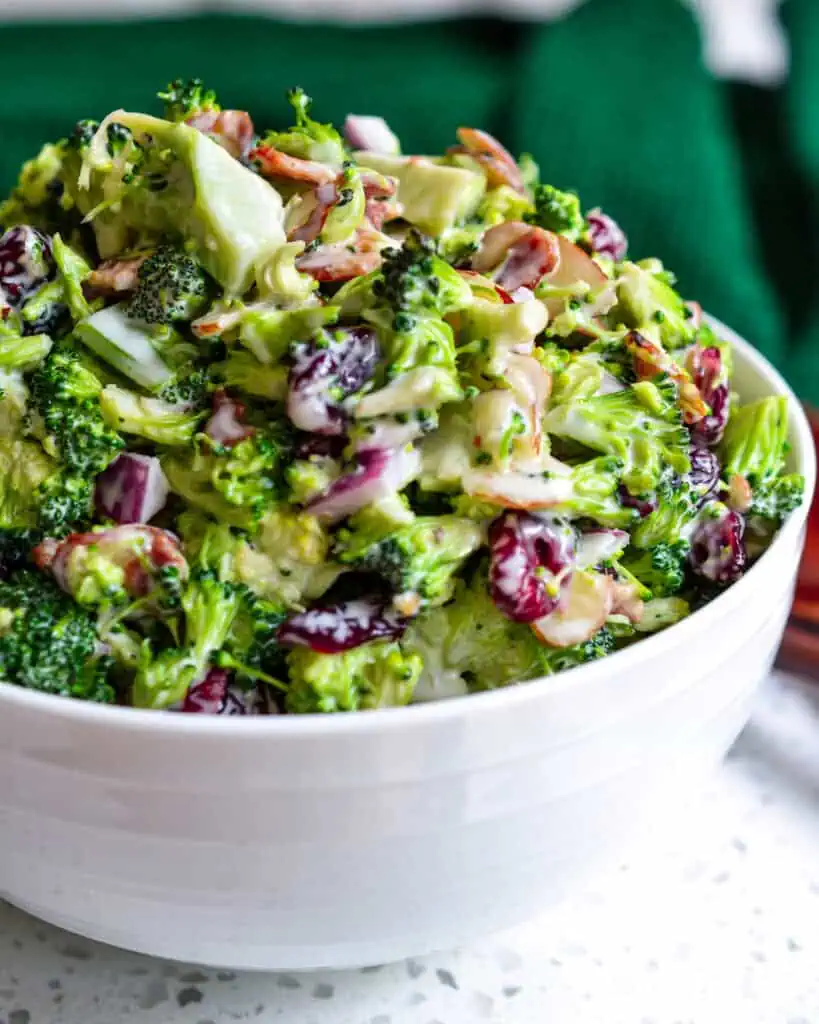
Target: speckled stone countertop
{"x":718,"y":924}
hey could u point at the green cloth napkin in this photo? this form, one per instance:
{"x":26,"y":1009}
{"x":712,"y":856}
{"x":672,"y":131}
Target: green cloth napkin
{"x":719,"y":180}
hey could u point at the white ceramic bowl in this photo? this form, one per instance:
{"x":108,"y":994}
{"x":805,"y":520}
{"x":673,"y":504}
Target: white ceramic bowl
{"x":349,"y":840}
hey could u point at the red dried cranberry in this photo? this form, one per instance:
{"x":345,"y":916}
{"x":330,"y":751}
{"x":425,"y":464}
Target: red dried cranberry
{"x":526,"y":556}
{"x":644,"y":506}
{"x":323,"y":375}
{"x":717,"y":548}
{"x":215,"y":696}
{"x":707,"y":373}
{"x":705,"y":470}
{"x":340,"y":627}
{"x":26,"y":262}
{"x":606,"y":235}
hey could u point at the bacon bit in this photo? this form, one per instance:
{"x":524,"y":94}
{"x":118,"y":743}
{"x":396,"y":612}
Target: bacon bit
{"x":380,"y":194}
{"x":114,"y":277}
{"x":497,"y":161}
{"x":225,"y":425}
{"x":651,"y":359}
{"x":216,"y":322}
{"x":342,"y":261}
{"x":740,"y":496}
{"x":232,"y":129}
{"x":626,"y":602}
{"x":526,"y":253}
{"x":158,"y":548}
{"x":272,"y":163}
{"x":324,"y":198}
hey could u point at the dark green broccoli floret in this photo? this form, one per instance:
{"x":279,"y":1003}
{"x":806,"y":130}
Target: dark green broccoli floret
{"x":183,"y":99}
{"x":118,"y":138}
{"x":420,"y":557}
{"x":15,"y":547}
{"x":172,"y":287}
{"x":252,"y":650}
{"x":191,"y":387}
{"x":307,"y":139}
{"x":776,"y":499}
{"x":560,"y":659}
{"x":661,"y":568}
{"x":557,"y":211}
{"x":66,"y":393}
{"x":641,"y":425}
{"x":677,"y":506}
{"x":82,"y":134}
{"x":48,"y":642}
{"x":413,"y":281}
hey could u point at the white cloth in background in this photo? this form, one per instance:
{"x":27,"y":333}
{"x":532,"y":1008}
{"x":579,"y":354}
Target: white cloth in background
{"x":742,"y":38}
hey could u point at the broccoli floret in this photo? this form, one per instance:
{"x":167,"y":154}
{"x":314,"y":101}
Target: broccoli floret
{"x":755,"y":441}
{"x":468,"y":644}
{"x":191,"y":387}
{"x":19,"y":352}
{"x":414,"y":281}
{"x":209,"y":607}
{"x":37,"y":198}
{"x":72,"y":270}
{"x":661,"y":568}
{"x":81,"y":135}
{"x":307,"y":139}
{"x":776,"y":499}
{"x":172,"y":287}
{"x":66,"y":394}
{"x":648,"y":302}
{"x":252,"y":649}
{"x":374,"y":675}
{"x":49,"y":643}
{"x":641,"y":425}
{"x":594,"y":494}
{"x":418,"y":558}
{"x":16,"y":543}
{"x":557,"y":211}
{"x":561,"y":659}
{"x":243,"y":371}
{"x":185,"y":98}
{"x":677,"y":504}
{"x":152,"y":418}
{"x":237,"y":484}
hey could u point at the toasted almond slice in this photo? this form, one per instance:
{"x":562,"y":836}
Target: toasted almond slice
{"x":588,"y":604}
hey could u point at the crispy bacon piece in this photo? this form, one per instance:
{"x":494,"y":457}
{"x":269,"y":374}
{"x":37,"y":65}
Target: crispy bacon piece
{"x":498,"y":162}
{"x":523,"y":254}
{"x":272,"y":163}
{"x":342,"y":261}
{"x":232,"y":129}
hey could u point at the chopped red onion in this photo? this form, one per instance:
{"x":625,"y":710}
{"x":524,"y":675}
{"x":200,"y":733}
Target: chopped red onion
{"x":225,"y":425}
{"x":132,"y":489}
{"x":363,"y":131}
{"x":336,"y":628}
{"x":376,"y":475}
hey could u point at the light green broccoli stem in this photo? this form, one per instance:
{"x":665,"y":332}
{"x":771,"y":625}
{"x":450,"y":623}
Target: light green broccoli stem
{"x":754,"y":444}
{"x":374,"y":675}
{"x":151,"y":418}
{"x":22,"y":353}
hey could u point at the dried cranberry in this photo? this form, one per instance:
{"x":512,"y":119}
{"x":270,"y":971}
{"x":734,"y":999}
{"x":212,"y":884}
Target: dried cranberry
{"x":527,"y":555}
{"x":710,"y":428}
{"x":25,"y":263}
{"x":705,"y":470}
{"x":340,"y":627}
{"x":717,"y":548}
{"x":606,"y":235}
{"x":645,"y":505}
{"x":321,"y":446}
{"x":215,"y":696}
{"x":325,"y":373}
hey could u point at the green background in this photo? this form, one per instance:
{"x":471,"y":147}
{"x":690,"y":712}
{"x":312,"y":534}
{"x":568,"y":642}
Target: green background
{"x":720,"y":180}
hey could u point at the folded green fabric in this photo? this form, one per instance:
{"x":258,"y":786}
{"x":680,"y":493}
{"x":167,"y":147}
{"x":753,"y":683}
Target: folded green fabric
{"x":613,"y":100}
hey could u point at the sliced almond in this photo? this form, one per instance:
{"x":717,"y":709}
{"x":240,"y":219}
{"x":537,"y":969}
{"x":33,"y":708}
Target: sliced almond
{"x":588,"y":604}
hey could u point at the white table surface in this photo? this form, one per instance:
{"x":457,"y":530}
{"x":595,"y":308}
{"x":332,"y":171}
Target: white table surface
{"x":718,"y":924}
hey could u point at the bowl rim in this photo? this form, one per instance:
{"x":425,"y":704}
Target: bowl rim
{"x":484,"y":702}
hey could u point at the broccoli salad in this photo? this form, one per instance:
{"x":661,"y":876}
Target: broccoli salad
{"x":292,"y":422}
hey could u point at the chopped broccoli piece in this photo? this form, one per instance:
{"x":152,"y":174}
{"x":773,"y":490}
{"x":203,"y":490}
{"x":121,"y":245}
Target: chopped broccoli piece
{"x":191,"y":386}
{"x":307,"y":139}
{"x":677,"y":506}
{"x":661,"y":568}
{"x":242,"y":370}
{"x":66,"y":395}
{"x":641,"y":425}
{"x":19,"y":352}
{"x":776,"y":499}
{"x":172,"y":287}
{"x":128,"y":345}
{"x":755,"y":439}
{"x":468,"y":644}
{"x":374,"y":675}
{"x":419,"y":557}
{"x":152,"y":418}
{"x":557,"y":211}
{"x":662,"y":612}
{"x":561,"y":659}
{"x":209,"y":607}
{"x":49,"y":643}
{"x":16,"y":543}
{"x":414,"y":281}
{"x":184,"y":99}
{"x":37,"y":198}
{"x":648,"y":302}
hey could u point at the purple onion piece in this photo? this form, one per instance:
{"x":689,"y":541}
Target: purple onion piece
{"x":717,"y":547}
{"x":607,"y":237}
{"x":375,"y":475}
{"x":526,"y":557}
{"x":132,"y":489}
{"x":322,"y":376}
{"x":705,"y":470}
{"x":26,"y":261}
{"x":336,"y":628}
{"x":362,"y":131}
{"x":215,"y":696}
